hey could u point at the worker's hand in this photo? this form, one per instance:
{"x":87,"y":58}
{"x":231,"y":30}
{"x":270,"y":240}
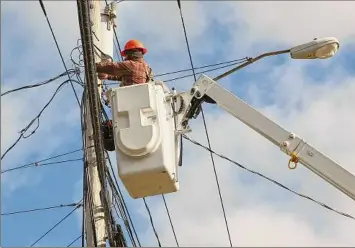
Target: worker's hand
{"x":102,"y":76}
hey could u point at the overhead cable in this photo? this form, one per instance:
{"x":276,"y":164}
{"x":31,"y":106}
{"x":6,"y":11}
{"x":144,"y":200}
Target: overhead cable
{"x":42,"y":160}
{"x":171,"y":223}
{"x":57,"y":224}
{"x":271,"y":180}
{"x":40,"y":209}
{"x":93,"y":100}
{"x":116,"y":190}
{"x":38,"y":84}
{"x":206,"y":131}
{"x":60,"y":53}
{"x":36,"y":164}
{"x":118,"y":200}
{"x":151,"y":221}
{"x":88,"y":205}
{"x":224,"y":65}
{"x":205,"y":66}
{"x":201,"y":72}
{"x":23,"y":131}
{"x":80,"y":63}
{"x":75,"y":240}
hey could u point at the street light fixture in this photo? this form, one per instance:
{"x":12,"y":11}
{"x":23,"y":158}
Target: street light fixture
{"x":317,"y":49}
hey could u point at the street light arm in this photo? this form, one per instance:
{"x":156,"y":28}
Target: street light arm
{"x":250,"y":61}
{"x":317,"y":49}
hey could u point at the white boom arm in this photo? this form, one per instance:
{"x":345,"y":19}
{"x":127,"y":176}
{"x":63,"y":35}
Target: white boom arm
{"x":206,"y":89}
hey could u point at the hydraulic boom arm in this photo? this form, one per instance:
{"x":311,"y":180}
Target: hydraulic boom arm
{"x":206,"y":89}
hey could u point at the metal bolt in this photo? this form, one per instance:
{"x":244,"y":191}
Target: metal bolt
{"x":285,"y":144}
{"x":310,"y":153}
{"x":292,"y":136}
{"x":198,"y":94}
{"x":192,"y":91}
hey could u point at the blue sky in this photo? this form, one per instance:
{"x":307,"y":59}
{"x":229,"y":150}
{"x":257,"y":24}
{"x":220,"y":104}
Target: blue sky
{"x":312,"y":98}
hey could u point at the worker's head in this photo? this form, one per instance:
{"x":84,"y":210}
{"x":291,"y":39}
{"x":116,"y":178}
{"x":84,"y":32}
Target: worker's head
{"x":134,"y":48}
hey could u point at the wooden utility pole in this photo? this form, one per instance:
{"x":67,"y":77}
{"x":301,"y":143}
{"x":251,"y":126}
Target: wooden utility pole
{"x":95,"y":219}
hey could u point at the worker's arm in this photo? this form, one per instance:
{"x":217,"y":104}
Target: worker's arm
{"x":115,"y":70}
{"x":104,"y":76}
{"x":291,"y":144}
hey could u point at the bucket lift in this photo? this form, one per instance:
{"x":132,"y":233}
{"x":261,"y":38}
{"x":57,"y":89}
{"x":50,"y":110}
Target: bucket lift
{"x":147,"y":129}
{"x":147,"y":147}
{"x":149,"y":119}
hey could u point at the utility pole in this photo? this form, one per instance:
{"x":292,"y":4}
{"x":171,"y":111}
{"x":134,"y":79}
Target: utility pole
{"x":102,"y":37}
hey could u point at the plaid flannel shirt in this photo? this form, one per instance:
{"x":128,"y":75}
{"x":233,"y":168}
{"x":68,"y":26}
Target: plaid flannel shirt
{"x":129,"y":72}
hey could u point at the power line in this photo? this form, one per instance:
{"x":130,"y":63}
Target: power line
{"x":87,"y":191}
{"x":60,"y":53}
{"x":206,"y":131}
{"x":95,"y":107}
{"x":40,"y":209}
{"x":57,"y":224}
{"x":224,"y":65}
{"x":202,"y":67}
{"x":23,"y":131}
{"x":38,"y":84}
{"x":36,"y":164}
{"x":42,"y":160}
{"x":171,"y":223}
{"x":75,"y":240}
{"x":117,"y":192}
{"x":271,"y":180}
{"x":151,"y":221}
{"x":201,"y":72}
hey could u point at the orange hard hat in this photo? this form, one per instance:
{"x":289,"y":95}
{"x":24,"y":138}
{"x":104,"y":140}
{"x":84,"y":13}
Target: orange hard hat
{"x":134,"y":44}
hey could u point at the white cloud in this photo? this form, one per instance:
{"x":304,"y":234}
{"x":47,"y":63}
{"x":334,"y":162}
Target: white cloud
{"x":295,"y":22}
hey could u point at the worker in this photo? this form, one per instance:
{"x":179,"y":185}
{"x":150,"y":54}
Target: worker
{"x":133,"y":70}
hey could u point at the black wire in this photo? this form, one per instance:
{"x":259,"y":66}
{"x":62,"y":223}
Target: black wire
{"x":42,"y":160}
{"x":80,"y":63}
{"x":60,"y":53}
{"x":84,"y":196}
{"x":199,"y":73}
{"x":88,"y":49}
{"x":151,"y":221}
{"x":23,"y":131}
{"x":40,"y":165}
{"x":57,"y":224}
{"x":118,"y":44}
{"x":206,"y":131}
{"x":118,"y":193}
{"x":38,"y":84}
{"x":269,"y":179}
{"x":202,"y":67}
{"x":40,"y":209}
{"x":87,"y":190}
{"x":102,"y":53}
{"x":171,"y":223}
{"x":75,"y":240}
{"x":124,"y":205}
